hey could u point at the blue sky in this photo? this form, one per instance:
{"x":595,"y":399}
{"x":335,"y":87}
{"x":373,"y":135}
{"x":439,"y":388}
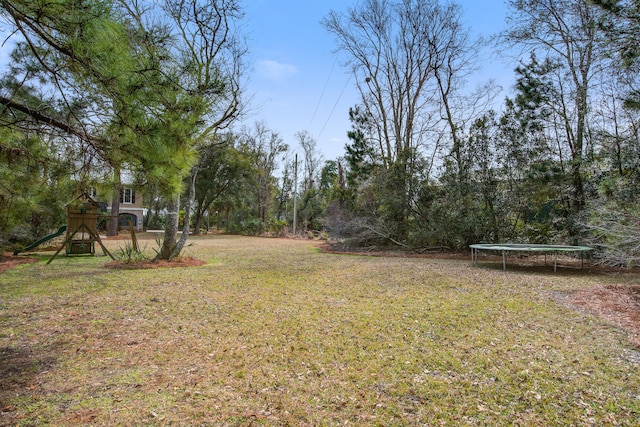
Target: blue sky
{"x":297,"y":81}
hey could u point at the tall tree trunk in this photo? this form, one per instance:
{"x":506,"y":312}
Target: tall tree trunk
{"x":576,"y":165}
{"x":171,"y":228}
{"x":171,"y":245}
{"x":112,"y":224}
{"x":199,"y":214}
{"x":187,"y":213}
{"x":150,"y":213}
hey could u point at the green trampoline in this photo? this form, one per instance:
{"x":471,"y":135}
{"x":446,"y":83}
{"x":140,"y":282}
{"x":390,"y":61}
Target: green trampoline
{"x":525,"y":247}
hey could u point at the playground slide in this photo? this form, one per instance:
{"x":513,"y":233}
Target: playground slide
{"x":40,"y":241}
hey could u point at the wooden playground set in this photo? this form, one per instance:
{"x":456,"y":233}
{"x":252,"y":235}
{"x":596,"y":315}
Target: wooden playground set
{"x":81,"y":230}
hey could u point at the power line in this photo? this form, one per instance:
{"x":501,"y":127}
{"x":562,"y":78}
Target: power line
{"x":335,"y":105}
{"x":324,"y":89}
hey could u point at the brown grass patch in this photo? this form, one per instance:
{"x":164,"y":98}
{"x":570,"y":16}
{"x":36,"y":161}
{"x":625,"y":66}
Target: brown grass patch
{"x":8,"y":261}
{"x":619,"y":304}
{"x":149,"y":264}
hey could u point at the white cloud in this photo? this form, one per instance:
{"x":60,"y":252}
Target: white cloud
{"x":274,"y":70}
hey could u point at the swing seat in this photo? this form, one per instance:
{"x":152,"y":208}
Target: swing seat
{"x":78,"y":247}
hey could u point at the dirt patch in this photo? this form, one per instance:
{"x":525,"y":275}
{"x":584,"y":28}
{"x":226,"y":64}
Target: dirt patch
{"x":619,"y":304}
{"x":149,"y":264}
{"x":8,"y":261}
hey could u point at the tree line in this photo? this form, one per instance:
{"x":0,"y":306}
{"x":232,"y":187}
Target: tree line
{"x":96,"y":88}
{"x":432,"y":164}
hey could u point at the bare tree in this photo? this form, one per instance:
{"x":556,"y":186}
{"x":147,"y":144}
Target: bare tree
{"x":310,"y":204}
{"x":264,"y":146}
{"x":567,"y":33}
{"x":312,"y":160}
{"x":408,"y":58}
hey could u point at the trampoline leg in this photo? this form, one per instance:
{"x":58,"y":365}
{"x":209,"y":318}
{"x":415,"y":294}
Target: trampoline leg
{"x":555,"y":262}
{"x":504,"y":260}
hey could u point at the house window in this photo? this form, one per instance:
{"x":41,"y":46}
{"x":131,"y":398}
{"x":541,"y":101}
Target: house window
{"x":127,"y":195}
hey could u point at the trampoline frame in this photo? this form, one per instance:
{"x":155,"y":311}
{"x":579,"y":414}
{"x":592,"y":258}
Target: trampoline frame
{"x":526,"y":247}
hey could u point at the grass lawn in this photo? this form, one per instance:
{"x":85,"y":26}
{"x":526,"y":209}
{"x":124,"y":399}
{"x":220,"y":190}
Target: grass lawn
{"x":275,"y":332}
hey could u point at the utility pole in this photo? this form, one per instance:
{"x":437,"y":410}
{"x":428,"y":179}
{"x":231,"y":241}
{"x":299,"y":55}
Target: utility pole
{"x":295,"y":194}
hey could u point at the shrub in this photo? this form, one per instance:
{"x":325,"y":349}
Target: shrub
{"x":129,"y":254}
